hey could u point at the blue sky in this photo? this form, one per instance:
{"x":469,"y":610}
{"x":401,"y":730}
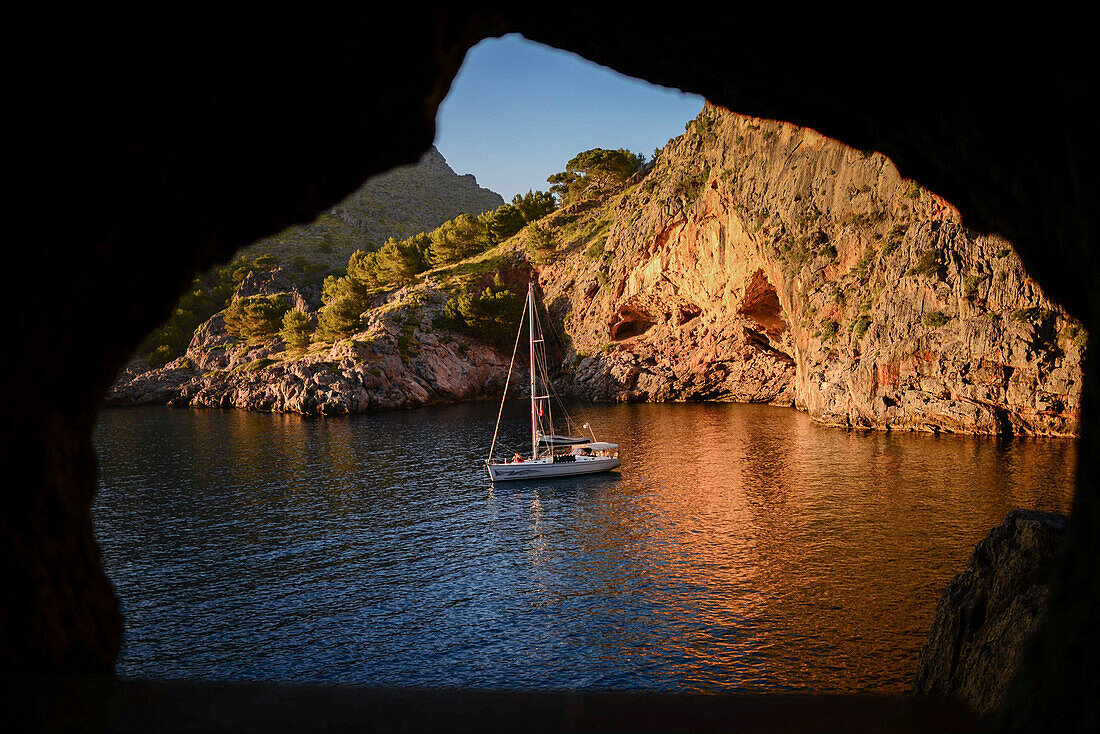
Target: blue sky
{"x":518,"y":111}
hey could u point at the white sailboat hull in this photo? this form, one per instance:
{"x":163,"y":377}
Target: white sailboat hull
{"x":545,"y":468}
{"x":580,"y":460}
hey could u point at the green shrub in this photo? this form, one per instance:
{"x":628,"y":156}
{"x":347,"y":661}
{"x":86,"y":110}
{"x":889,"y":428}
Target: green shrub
{"x":1034,"y":315}
{"x":935,"y":319}
{"x":257,"y":364}
{"x":928,"y":264}
{"x":595,"y":250}
{"x":1024,"y":315}
{"x":1078,"y":335}
{"x":970,"y":285}
{"x":865,"y":261}
{"x":860,"y":326}
{"x":893,"y":238}
{"x":829,"y":329}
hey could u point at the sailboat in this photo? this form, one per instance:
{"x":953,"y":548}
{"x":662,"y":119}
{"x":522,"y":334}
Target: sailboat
{"x":551,"y":455}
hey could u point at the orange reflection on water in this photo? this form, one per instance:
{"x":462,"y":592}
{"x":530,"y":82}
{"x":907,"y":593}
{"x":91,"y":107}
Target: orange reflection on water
{"x":782,"y":553}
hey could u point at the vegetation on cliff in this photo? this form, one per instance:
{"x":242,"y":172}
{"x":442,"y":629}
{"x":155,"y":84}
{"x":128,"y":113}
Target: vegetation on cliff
{"x":208,"y":294}
{"x":594,"y":173}
{"x":362,"y":227}
{"x":397,"y":264}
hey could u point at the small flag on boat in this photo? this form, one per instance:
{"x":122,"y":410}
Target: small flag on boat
{"x":540,"y":407}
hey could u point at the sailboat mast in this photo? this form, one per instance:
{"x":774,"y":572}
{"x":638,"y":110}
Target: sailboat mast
{"x":531,"y":329}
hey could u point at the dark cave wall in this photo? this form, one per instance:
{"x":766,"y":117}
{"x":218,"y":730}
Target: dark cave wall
{"x":158,"y":152}
{"x":157,"y":155}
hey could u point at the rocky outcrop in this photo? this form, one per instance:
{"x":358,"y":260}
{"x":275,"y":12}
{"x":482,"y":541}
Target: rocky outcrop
{"x":760,"y":261}
{"x":398,"y":360}
{"x":988,"y":612}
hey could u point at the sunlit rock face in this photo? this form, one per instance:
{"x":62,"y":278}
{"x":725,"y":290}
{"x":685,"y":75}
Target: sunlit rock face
{"x":751,"y":261}
{"x":759,"y":261}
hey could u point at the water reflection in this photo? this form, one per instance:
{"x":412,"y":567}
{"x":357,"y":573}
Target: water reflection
{"x":739,"y":547}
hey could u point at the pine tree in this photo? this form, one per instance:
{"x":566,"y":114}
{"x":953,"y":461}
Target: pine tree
{"x":256,"y":317}
{"x":593,"y":173}
{"x":504,"y":222}
{"x":295,"y":331}
{"x":540,"y":243}
{"x":534,"y":205}
{"x":345,"y":301}
{"x":458,"y":239}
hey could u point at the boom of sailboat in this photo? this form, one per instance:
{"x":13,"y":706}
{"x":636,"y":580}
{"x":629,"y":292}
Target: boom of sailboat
{"x":552,"y":455}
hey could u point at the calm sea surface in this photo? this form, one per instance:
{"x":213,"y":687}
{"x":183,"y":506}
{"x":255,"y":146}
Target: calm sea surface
{"x":739,"y":547}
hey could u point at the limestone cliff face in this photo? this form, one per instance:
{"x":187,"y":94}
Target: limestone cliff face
{"x":760,"y":261}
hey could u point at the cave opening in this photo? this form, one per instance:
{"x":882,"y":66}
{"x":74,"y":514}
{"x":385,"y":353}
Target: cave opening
{"x":629,"y":322}
{"x":760,"y":305}
{"x":92,"y":615}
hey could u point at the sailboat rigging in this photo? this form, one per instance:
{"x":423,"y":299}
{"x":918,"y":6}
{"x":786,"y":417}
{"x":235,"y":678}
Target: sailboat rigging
{"x":551,"y":455}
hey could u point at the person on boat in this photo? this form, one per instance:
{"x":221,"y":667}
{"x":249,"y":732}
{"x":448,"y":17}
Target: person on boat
{"x":516,"y":458}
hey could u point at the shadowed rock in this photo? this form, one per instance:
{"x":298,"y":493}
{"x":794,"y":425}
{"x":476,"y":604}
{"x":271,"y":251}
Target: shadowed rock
{"x":987,"y":614}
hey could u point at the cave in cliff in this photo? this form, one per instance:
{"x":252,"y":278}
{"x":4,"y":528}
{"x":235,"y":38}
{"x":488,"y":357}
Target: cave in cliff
{"x":760,"y":305}
{"x":628,"y":322}
{"x":139,"y":132}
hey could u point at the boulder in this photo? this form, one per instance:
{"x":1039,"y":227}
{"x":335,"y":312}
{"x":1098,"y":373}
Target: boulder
{"x":987,"y":613}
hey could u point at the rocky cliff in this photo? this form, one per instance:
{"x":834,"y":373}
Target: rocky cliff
{"x":751,"y":261}
{"x":760,"y":261}
{"x":397,"y":360}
